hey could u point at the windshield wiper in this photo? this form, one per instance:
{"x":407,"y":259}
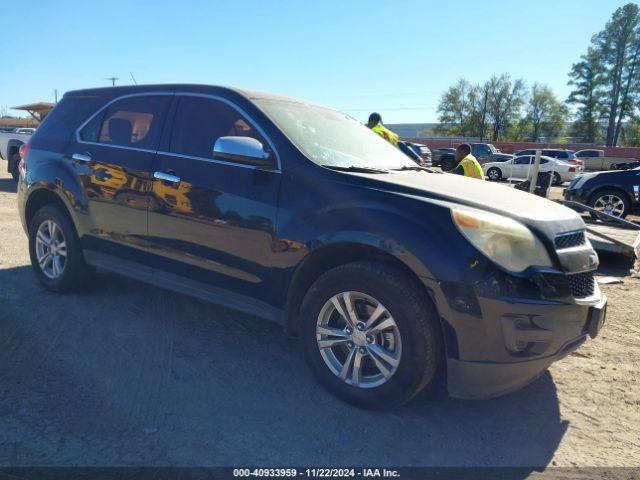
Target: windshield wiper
{"x":414,"y":167}
{"x":354,"y":168}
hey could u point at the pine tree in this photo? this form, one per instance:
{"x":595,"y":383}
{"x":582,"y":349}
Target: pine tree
{"x":586,"y":78}
{"x":618,"y":47}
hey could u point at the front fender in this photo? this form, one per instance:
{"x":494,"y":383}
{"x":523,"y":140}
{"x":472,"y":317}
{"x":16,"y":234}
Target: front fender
{"x":419,"y":234}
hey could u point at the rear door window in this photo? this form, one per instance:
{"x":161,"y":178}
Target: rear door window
{"x":130,"y":122}
{"x":523,"y":160}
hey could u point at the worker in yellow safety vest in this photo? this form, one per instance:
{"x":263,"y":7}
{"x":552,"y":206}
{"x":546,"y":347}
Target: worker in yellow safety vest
{"x":375,"y":124}
{"x":467,"y":163}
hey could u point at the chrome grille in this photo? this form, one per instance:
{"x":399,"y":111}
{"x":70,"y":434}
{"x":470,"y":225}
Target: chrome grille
{"x":582,"y":284}
{"x":569,"y":240}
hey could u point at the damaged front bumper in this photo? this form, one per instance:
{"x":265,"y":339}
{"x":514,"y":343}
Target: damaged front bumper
{"x":501,"y":335}
{"x":535,"y":336}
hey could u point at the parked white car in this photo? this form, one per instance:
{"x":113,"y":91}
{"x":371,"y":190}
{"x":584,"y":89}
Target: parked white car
{"x":522,"y":168}
{"x":27,"y":130}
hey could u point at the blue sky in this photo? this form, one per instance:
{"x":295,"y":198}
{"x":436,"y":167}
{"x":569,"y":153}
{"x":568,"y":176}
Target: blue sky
{"x":394,"y":57}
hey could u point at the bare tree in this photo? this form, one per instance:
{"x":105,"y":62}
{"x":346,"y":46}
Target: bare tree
{"x":506,"y":98}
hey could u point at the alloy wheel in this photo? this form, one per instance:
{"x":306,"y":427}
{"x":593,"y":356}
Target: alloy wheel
{"x":611,"y":204}
{"x":358,"y":339}
{"x":51,"y":249}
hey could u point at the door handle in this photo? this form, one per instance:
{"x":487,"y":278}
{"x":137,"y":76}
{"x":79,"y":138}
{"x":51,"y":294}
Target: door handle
{"x":81,"y":157}
{"x":166,"y":177}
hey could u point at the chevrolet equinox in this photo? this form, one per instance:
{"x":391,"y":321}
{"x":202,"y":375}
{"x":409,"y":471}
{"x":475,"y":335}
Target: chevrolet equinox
{"x":390,"y":274}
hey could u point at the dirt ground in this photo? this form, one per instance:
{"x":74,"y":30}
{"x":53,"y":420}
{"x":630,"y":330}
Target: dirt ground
{"x":132,"y":375}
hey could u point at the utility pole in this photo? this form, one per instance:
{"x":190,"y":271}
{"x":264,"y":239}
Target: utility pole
{"x":55,"y":94}
{"x":536,"y":169}
{"x":113,"y":80}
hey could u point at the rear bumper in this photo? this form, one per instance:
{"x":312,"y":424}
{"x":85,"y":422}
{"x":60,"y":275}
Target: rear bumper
{"x":22,"y":200}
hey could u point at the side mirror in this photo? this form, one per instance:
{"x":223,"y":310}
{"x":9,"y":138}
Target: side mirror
{"x":243,"y":150}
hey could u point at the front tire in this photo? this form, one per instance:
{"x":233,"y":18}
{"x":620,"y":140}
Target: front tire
{"x":370,"y":335}
{"x":557,"y":179}
{"x":494,"y":174}
{"x":55,"y":251}
{"x":609,"y":201}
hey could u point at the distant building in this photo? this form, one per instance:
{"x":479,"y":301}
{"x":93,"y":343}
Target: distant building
{"x":413,"y":130}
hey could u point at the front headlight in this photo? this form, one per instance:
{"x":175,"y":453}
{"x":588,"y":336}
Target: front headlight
{"x":505,"y":241}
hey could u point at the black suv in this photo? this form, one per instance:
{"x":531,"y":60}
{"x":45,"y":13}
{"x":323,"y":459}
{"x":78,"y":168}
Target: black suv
{"x":615,"y":192}
{"x":389,"y":273}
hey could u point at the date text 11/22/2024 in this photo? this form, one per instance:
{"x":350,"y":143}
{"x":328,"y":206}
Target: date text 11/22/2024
{"x":316,"y":472}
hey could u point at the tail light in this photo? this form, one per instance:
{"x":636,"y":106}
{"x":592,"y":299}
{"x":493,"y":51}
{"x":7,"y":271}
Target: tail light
{"x":23,"y":151}
{"x":572,"y":169}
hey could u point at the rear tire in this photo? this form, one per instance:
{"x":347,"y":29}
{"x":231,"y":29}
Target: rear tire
{"x":411,"y":341}
{"x":557,"y":180}
{"x":14,"y":161}
{"x":55,"y":251}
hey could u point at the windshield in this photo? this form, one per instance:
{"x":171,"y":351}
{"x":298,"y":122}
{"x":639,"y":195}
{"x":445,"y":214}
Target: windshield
{"x":331,"y":138}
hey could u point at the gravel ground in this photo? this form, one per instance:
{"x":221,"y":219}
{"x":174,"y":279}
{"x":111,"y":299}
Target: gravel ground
{"x":129,"y":374}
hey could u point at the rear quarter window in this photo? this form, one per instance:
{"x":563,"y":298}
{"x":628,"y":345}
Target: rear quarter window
{"x":60,"y":125}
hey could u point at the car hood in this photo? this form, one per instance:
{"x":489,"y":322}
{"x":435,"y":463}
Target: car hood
{"x":550,"y":218}
{"x":609,"y":176}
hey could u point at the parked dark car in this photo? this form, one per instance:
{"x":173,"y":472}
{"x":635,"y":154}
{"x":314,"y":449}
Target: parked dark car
{"x":423,"y":151}
{"x":387,"y":272}
{"x":615,"y":192}
{"x":488,"y":153}
{"x":438,"y":153}
{"x":414,"y":154}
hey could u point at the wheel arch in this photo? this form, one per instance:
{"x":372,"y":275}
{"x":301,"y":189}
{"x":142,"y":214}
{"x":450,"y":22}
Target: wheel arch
{"x":330,"y":256}
{"x":617,"y":188}
{"x":45,"y":196}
